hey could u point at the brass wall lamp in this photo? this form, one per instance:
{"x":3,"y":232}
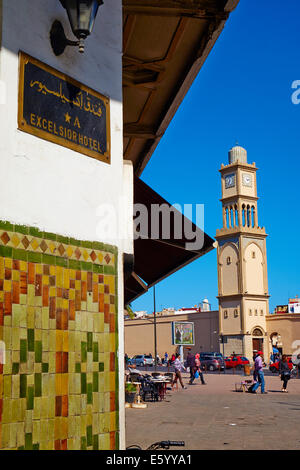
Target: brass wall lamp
{"x":82,"y":15}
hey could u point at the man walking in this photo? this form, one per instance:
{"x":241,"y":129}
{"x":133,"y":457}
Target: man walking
{"x":190,"y":362}
{"x":258,"y":369}
{"x":178,"y":368}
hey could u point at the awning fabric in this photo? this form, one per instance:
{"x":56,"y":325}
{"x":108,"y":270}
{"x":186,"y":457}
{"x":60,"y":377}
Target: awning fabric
{"x":155,"y":259}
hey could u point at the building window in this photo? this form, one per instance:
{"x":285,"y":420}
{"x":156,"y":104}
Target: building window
{"x":253,"y":254}
{"x":250,"y":312}
{"x":255,"y":312}
{"x":261,"y":312}
{"x":225,"y":314}
{"x":228,"y":260}
{"x":236,"y":313}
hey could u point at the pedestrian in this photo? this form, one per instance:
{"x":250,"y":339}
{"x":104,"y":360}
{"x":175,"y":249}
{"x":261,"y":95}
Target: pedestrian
{"x":258,"y":370}
{"x":198,"y":369}
{"x":190,"y":362}
{"x":178,"y":369}
{"x":166,"y":358}
{"x":284,"y":372}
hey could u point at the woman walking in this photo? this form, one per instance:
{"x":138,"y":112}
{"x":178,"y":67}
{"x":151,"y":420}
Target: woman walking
{"x":285,"y":373}
{"x":178,"y":368}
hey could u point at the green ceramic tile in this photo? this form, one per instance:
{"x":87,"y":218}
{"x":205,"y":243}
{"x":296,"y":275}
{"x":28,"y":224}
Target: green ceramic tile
{"x":30,"y":338}
{"x":36,"y":447}
{"x":6,"y":251}
{"x":45,"y":367}
{"x":23,"y":350}
{"x":62,"y":239}
{"x":50,"y":236}
{"x":86,"y":244}
{"x":95,"y":352}
{"x":63,"y":262}
{"x":28,"y":441}
{"x":34,"y":257}
{"x":37,"y":385}
{"x":83,"y":351}
{"x":89,"y":342}
{"x":89,"y":435}
{"x":83,"y":443}
{"x":83,"y":383}
{"x":98,"y":246}
{"x":30,"y":398}
{"x":95,"y":381}
{"x":86,"y":266}
{"x":38,"y":349}
{"x":21,"y":229}
{"x":74,"y":242}
{"x":73,"y":264}
{"x":97,"y":269}
{"x":109,"y":270}
{"x":95,"y":442}
{"x":23,"y":385}
{"x":48,"y":259}
{"x":6,"y":226}
{"x":90,"y":394}
{"x":21,"y":255}
{"x":16,"y":368}
{"x":78,"y":367}
{"x":101,"y":366}
{"x":35,"y":232}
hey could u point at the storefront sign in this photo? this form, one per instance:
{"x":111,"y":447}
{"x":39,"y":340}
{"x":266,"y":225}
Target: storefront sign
{"x":57,"y":108}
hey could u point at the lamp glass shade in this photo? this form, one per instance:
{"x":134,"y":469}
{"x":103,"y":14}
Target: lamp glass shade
{"x":82,"y":15}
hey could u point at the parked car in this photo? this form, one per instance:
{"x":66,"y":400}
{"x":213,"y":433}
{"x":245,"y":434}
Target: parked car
{"x":141,"y":360}
{"x":274,"y":366}
{"x":236,"y":361}
{"x":212,"y":363}
{"x":214,"y":354}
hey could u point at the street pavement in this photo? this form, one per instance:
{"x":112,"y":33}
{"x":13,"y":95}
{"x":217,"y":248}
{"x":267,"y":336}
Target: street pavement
{"x":215,"y":417}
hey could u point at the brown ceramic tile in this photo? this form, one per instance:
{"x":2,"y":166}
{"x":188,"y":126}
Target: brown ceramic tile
{"x":65,"y":357}
{"x":77,"y":300}
{"x":64,"y":319}
{"x":57,"y":444}
{"x":65,"y":411}
{"x":95,"y":292}
{"x":64,"y":444}
{"x":71,"y":309}
{"x":16,"y":264}
{"x":23,"y":283}
{"x":112,"y":325}
{"x":7,"y":274}
{"x":112,"y":362}
{"x":52,"y":307}
{"x":106,"y":313}
{"x":58,"y":406}
{"x":89,"y":282}
{"x":106,"y":289}
{"x":1,"y":314}
{"x":112,"y":440}
{"x":83,"y":291}
{"x":58,"y":362}
{"x":101,"y":303}
{"x":38,"y":284}
{"x":15,"y":292}
{"x":72,"y":283}
{"x":45,"y":296}
{"x":112,"y":401}
{"x":46,"y":269}
{"x":52,"y":281}
{"x":78,"y":276}
{"x":59,"y":319}
{"x":31,"y":271}
{"x":7,"y":303}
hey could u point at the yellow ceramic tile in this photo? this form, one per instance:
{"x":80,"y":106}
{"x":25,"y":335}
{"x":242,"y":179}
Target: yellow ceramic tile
{"x":38,"y":269}
{"x":8,"y":263}
{"x":52,"y":292}
{"x":59,"y":340}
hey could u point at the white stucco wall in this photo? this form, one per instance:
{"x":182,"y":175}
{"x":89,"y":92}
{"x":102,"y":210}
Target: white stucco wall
{"x":43,"y":184}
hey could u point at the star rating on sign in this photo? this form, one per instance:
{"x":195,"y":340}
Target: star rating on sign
{"x":68,"y":118}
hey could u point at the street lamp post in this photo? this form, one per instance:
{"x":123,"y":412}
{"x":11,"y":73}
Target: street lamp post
{"x":155,"y":338}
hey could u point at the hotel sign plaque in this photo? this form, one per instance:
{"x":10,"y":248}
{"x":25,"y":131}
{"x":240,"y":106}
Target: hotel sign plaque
{"x":57,"y":108}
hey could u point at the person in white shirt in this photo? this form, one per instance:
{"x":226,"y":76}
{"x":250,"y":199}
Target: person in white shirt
{"x":178,"y":369}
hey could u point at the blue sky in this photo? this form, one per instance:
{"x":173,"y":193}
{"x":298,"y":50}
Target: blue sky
{"x":243,"y":93}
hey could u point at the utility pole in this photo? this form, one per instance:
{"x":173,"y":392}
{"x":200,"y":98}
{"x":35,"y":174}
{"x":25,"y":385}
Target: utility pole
{"x":155,"y":342}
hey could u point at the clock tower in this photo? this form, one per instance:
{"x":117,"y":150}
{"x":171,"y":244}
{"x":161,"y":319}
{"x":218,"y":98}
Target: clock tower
{"x":242,"y":261}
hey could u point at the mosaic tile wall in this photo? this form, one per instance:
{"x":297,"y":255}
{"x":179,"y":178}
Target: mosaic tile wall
{"x":58,"y":320}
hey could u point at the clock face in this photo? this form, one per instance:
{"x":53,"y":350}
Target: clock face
{"x":247,"y":179}
{"x":229,"y":181}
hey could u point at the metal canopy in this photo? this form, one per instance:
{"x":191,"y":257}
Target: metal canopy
{"x":155,"y":259}
{"x":165,"y":43}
